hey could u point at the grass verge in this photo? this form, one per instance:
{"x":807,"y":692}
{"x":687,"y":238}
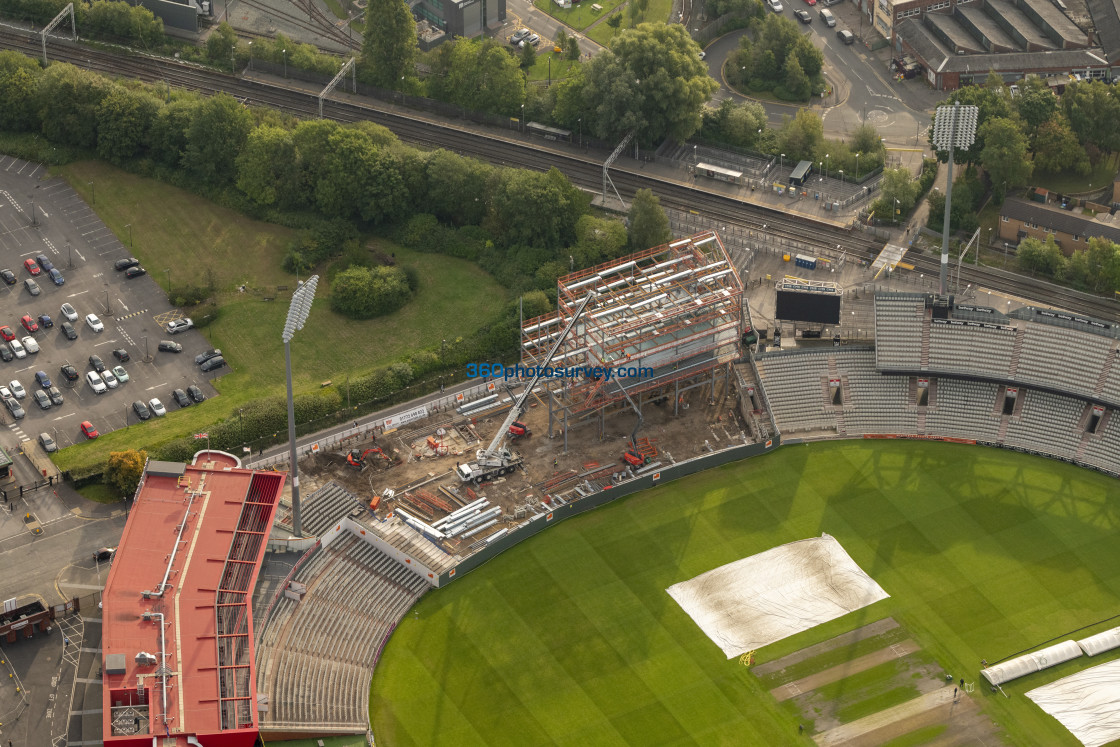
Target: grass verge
{"x":99,"y":493}
{"x":580,"y":15}
{"x":1067,"y":182}
{"x":197,"y":239}
{"x":570,"y":636}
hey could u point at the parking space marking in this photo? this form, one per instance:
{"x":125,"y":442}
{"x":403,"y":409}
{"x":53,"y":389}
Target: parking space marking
{"x":72,"y":295}
{"x":157,"y":386}
{"x":67,"y":415}
{"x":106,"y":342}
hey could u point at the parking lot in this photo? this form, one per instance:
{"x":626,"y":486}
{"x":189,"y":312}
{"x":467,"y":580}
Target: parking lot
{"x":134,"y":312}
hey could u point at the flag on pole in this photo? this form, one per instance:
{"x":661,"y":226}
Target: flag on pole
{"x":202,"y":435}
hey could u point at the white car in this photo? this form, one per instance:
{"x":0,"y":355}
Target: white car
{"x":179,"y":325}
{"x":157,"y":407}
{"x":94,"y":323}
{"x":95,"y":382}
{"x":5,"y":392}
{"x":775,"y":5}
{"x":17,"y":389}
{"x":17,"y":348}
{"x":30,"y":344}
{"x":69,"y":313}
{"x":110,"y":379}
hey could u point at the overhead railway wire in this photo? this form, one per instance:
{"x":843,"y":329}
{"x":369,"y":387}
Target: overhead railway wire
{"x":582,"y":169}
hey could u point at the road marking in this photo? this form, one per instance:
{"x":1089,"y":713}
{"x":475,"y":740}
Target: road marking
{"x":44,"y":212}
{"x":77,"y":294}
{"x":67,"y":415}
{"x":157,"y":386}
{"x":122,"y":304}
{"x":107,"y":342}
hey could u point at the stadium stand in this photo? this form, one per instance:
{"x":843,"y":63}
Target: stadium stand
{"x":976,"y":364}
{"x":321,"y":509}
{"x":316,"y":656}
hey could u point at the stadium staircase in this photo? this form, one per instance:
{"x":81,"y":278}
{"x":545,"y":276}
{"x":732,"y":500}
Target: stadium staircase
{"x":925,"y":338}
{"x":315,"y":657}
{"x":1106,"y":371}
{"x":1016,"y":352}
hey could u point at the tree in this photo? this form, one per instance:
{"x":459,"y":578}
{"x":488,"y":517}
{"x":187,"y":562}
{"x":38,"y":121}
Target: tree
{"x":897,"y":184}
{"x":389,"y":47}
{"x":124,"y":469}
{"x":68,"y":99}
{"x":561,"y":39}
{"x":1040,"y":257}
{"x":216,"y":136}
{"x":573,"y":52}
{"x":1056,"y":147}
{"x":991,"y":104}
{"x":1035,"y":103}
{"x":597,"y":240}
{"x":124,"y":118}
{"x":536,"y":210}
{"x":1093,"y":110}
{"x":221,"y":43}
{"x":661,"y":65}
{"x":528,"y":55}
{"x":1005,"y":156}
{"x":808,"y":56}
{"x":359,"y":179}
{"x":740,"y":123}
{"x":268,"y":169}
{"x":17,"y":100}
{"x":801,"y":136}
{"x":795,"y":81}
{"x":167,"y":138}
{"x":457,"y":187}
{"x":649,"y":225}
{"x":479,"y":75}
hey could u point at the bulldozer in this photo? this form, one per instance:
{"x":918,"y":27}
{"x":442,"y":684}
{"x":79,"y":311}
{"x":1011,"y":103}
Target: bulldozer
{"x":357,"y":458}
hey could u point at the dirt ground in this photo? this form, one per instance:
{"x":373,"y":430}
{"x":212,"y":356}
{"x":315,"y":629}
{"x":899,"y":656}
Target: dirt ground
{"x":964,"y":722}
{"x":420,"y":459}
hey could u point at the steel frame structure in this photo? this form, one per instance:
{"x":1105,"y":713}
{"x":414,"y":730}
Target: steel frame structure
{"x":676,"y":309}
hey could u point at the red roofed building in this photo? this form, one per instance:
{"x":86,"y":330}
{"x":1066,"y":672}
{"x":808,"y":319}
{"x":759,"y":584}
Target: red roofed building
{"x":177,"y":641}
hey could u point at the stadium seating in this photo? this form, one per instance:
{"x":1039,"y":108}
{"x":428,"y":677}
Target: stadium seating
{"x":322,"y":508}
{"x":1033,"y":356}
{"x":315,"y":657}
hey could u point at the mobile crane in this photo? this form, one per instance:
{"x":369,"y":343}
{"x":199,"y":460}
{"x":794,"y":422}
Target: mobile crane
{"x":497,"y":459}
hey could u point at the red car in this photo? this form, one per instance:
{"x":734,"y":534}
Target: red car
{"x":31,"y":266}
{"x":7,"y":333}
{"x":89,"y":431}
{"x":29,"y":324}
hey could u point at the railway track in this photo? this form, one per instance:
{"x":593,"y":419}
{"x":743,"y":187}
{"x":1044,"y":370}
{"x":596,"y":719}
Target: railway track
{"x":583,"y":169}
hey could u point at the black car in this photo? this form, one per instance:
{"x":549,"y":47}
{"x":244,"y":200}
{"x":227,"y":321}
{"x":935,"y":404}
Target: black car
{"x":135,"y":272}
{"x":45,"y":321}
{"x":203,"y":357}
{"x":168,"y":346}
{"x":104,"y":553}
{"x":6,"y":352}
{"x":41,"y":399}
{"x":195,"y":393}
{"x":8,"y":275}
{"x":124,"y":264}
{"x":803,"y":16}
{"x":55,"y":395}
{"x":213,"y":363}
{"x":181,"y":398}
{"x":14,"y":408}
{"x":69,"y":331}
{"x":44,"y":264}
{"x":96,"y":363}
{"x":69,"y":372}
{"x":122,"y":355}
{"x":141,"y":409}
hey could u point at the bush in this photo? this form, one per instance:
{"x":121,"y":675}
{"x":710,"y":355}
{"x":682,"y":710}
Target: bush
{"x":189,"y":295}
{"x":363,"y":293}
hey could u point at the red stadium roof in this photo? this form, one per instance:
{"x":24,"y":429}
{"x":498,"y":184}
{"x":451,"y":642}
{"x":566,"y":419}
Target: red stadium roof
{"x":177,"y":641}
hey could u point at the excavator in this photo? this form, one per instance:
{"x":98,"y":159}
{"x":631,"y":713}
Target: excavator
{"x":357,"y":459}
{"x":497,"y":459}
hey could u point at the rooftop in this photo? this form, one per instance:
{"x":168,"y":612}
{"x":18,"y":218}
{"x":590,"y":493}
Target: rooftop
{"x":1058,"y":220}
{"x":177,"y":634}
{"x":1106,"y":17}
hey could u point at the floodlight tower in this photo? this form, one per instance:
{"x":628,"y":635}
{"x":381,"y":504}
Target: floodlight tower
{"x":954,"y":127}
{"x":297,"y":315}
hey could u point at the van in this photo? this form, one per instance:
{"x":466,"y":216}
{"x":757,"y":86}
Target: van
{"x":828,"y":18}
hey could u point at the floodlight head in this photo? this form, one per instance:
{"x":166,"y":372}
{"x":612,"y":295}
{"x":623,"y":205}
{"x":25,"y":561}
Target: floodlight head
{"x":300,"y":308}
{"x":955,"y":126}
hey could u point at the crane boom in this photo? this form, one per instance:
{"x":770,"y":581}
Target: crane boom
{"x":519,"y":406}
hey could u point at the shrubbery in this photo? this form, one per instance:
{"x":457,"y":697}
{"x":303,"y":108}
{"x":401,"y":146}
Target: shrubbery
{"x":366,"y":292}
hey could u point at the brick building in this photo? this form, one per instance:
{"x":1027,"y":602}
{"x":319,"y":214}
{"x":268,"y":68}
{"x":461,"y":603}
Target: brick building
{"x":1020,"y":219}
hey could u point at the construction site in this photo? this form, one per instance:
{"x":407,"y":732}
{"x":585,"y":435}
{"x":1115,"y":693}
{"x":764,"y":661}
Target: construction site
{"x":634,"y":372}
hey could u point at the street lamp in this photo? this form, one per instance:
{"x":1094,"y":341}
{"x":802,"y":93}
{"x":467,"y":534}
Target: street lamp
{"x":857,"y":165}
{"x":284,"y":52}
{"x":250,"y":54}
{"x":129,"y":227}
{"x":241,"y":424}
{"x":841,"y":177}
{"x":297,"y":315}
{"x":897,"y":212}
{"x":92,"y":193}
{"x":69,"y":256}
{"x":782,"y":163}
{"x":168,"y":271}
{"x":954,"y":127}
{"x":581,"y":130}
{"x":826,"y":164}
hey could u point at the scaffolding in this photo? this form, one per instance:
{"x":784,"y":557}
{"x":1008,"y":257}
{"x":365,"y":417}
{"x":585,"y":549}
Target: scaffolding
{"x":672,"y":316}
